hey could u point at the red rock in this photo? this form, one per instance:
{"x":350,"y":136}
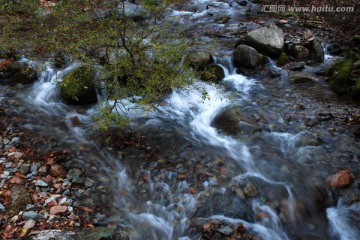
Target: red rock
{"x":57,"y":170}
{"x":16,"y":180}
{"x":58,"y":209}
{"x":48,"y":178}
{"x":75,"y":121}
{"x":340,"y":179}
{"x":52,"y":203}
{"x":261,"y":216}
{"x":192,"y":190}
{"x":181,"y":177}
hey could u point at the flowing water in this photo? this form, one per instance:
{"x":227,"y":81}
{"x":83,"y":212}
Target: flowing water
{"x":277,"y":173}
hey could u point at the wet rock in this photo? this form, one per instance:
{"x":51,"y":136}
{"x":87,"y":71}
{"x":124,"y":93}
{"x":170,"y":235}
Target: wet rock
{"x":232,"y":121}
{"x":301,"y":52}
{"x":40,"y":183}
{"x":242,"y":2}
{"x":267,"y":40}
{"x":340,"y":179}
{"x":339,"y":76}
{"x":245,"y":56}
{"x":308,"y":139}
{"x":302,"y":77}
{"x":55,"y":234}
{"x":75,"y":121}
{"x":225,"y":230}
{"x":223,"y":20}
{"x":32,"y":215}
{"x":20,"y":197}
{"x":74,"y":174}
{"x":316,"y":51}
{"x":297,"y":66}
{"x":19,"y":73}
{"x":199,"y":59}
{"x":212,"y":73}
{"x":60,"y":60}
{"x":250,"y":190}
{"x":77,"y":87}
{"x":325,"y":116}
{"x":57,"y":170}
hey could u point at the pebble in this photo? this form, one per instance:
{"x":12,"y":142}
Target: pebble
{"x":15,"y":140}
{"x":2,"y":207}
{"x":41,"y":183}
{"x":29,"y":206}
{"x":2,"y":160}
{"x":58,"y":209}
{"x":31,"y":215}
{"x":34,"y":169}
{"x":25,"y":169}
{"x":18,"y":155}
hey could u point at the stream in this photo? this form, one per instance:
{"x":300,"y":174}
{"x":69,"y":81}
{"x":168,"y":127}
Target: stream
{"x":273,"y":181}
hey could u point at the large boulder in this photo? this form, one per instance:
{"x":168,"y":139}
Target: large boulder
{"x":231,"y":121}
{"x":339,"y":76}
{"x":316,"y":51}
{"x":300,"y":52}
{"x":212,"y":73}
{"x":17,"y":72}
{"x":245,"y":56}
{"x":267,"y":40}
{"x":77,"y":87}
{"x":199,"y":59}
{"x":203,"y":63}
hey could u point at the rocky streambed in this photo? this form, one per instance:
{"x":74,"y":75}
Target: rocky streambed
{"x":271,"y":153}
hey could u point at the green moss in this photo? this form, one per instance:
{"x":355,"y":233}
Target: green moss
{"x":282,"y":60}
{"x":78,"y":86}
{"x":339,"y":76}
{"x":353,"y":56}
{"x":223,"y":19}
{"x":356,"y":90}
{"x":212,"y":73}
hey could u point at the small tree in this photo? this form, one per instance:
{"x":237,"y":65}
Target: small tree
{"x":139,"y":53}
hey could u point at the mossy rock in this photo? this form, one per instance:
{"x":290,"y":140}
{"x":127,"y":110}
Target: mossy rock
{"x":77,"y":87}
{"x":199,"y":59}
{"x":282,"y":60}
{"x":223,"y":20}
{"x":356,"y":90}
{"x":18,"y":72}
{"x":212,"y":73}
{"x":339,"y":76}
{"x":352,"y":55}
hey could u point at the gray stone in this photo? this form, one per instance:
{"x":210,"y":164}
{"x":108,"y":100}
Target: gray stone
{"x":199,"y":59}
{"x":231,"y":121}
{"x":245,"y":56}
{"x":74,"y":173}
{"x":31,"y":215}
{"x":34,"y":169}
{"x":2,"y":207}
{"x":267,"y":40}
{"x":25,"y":169}
{"x":316,"y":51}
{"x":301,"y":52}
{"x":297,"y":66}
{"x":302,"y":77}
{"x":40,"y":183}
{"x":226,"y":230}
